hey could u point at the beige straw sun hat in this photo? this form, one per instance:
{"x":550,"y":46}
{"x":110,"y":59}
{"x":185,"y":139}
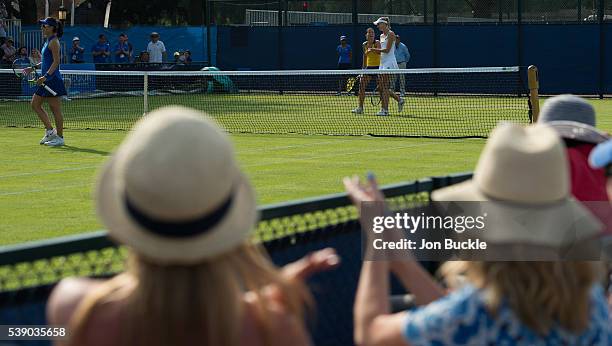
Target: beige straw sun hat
{"x":523,"y":176}
{"x":173,"y":191}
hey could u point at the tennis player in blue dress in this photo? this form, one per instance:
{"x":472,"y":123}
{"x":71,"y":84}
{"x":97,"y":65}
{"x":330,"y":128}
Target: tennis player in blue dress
{"x":52,"y":30}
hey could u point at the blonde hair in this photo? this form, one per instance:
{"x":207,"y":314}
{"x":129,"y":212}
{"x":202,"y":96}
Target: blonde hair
{"x":186,"y":305}
{"x":539,"y":293}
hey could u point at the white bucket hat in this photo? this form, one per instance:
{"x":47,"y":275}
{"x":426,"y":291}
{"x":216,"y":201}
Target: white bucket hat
{"x":173,"y":192}
{"x":523,"y":175}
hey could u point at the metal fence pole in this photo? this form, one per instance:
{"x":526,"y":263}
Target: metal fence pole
{"x":519,"y":31}
{"x":602,"y":46}
{"x":356,"y":45}
{"x":145,"y":98}
{"x":285,"y":11}
{"x":206,"y":22}
{"x":425,"y":11}
{"x":280,"y":34}
{"x":435,"y":33}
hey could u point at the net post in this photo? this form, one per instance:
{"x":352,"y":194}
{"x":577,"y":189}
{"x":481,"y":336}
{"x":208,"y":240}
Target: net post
{"x":534,"y":85}
{"x":146,"y":93}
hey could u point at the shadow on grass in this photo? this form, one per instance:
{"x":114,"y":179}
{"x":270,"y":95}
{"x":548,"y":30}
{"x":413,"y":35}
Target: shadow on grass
{"x":83,"y":150}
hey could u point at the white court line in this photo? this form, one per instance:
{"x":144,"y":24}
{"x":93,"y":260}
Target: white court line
{"x":363,"y":138}
{"x":18,"y":161}
{"x":340,"y":154}
{"x":48,"y":171}
{"x":45,"y":189}
{"x":294,"y":146}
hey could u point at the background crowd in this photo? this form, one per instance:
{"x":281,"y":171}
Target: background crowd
{"x":102,"y":52}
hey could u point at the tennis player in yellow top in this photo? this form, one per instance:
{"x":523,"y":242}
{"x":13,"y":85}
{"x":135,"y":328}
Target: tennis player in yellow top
{"x":371,"y":61}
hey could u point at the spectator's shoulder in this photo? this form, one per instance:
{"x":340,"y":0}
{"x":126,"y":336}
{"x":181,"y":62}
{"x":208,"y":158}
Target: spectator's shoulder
{"x":66,"y":297}
{"x":288,"y":328}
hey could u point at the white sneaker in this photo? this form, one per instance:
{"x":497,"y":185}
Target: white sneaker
{"x":57,"y":141}
{"x":49,"y":135}
{"x":402,"y":94}
{"x":357,"y":110}
{"x":400,"y":105}
{"x":383,"y":113}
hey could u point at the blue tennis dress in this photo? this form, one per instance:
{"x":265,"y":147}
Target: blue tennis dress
{"x":55,"y":80}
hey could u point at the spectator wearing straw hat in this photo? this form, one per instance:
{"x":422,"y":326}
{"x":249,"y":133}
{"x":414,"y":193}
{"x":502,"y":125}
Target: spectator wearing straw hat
{"x":573,"y":118}
{"x":156,"y":49}
{"x":521,"y":172}
{"x":76,"y":51}
{"x":174,"y":195}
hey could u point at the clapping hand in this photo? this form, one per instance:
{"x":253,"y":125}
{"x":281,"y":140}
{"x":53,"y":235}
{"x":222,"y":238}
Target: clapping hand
{"x":359,"y":192}
{"x":313,"y":263}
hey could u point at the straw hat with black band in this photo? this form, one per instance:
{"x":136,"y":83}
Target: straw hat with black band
{"x":173,"y":191}
{"x":522,"y":173}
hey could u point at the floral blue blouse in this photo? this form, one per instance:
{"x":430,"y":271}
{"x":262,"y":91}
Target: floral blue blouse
{"x":462,"y":319}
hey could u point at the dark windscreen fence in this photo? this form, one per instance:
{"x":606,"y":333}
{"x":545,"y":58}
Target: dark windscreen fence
{"x":443,"y":102}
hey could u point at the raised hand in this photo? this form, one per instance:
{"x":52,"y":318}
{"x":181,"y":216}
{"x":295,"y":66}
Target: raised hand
{"x":313,"y":263}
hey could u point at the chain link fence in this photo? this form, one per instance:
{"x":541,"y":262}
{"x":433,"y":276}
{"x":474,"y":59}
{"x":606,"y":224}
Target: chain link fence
{"x":341,"y":12}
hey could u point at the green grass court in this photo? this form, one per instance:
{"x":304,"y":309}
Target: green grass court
{"x":47,"y":192}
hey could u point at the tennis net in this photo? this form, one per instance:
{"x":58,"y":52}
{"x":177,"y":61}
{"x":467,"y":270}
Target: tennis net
{"x":443,"y":102}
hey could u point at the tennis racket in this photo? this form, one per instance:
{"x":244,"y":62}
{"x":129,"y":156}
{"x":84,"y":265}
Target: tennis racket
{"x":19,"y":69}
{"x":375,"y":97}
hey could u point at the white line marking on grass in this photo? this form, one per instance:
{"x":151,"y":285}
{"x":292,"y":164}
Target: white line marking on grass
{"x":45,"y":189}
{"x":341,"y":154}
{"x":48,"y":171}
{"x":293,"y":146}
